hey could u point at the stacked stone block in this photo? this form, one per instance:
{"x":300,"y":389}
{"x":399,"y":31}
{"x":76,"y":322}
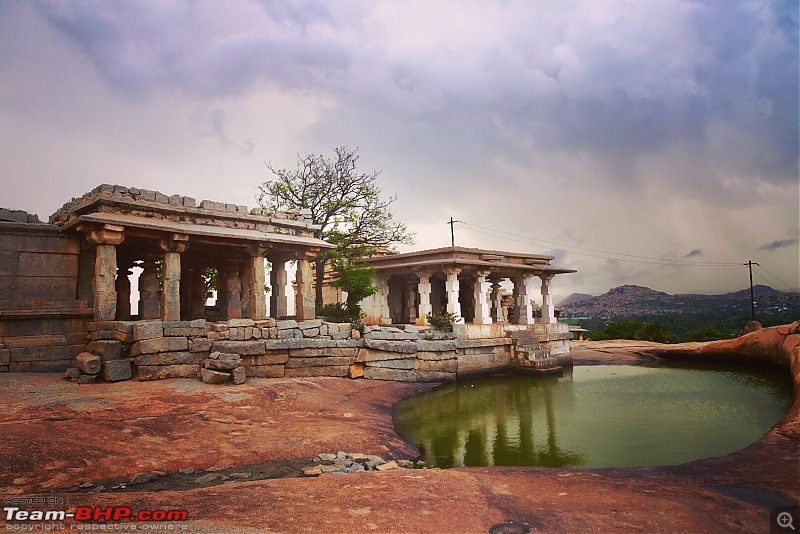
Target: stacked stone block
{"x":220,"y":367}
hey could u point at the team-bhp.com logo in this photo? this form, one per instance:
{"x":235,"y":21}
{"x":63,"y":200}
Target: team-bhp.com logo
{"x":93,"y":514}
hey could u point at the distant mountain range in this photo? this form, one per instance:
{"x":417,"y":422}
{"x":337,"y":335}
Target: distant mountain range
{"x":637,"y":302}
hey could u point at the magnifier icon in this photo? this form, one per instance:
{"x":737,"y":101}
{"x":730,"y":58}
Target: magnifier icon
{"x":784,"y":520}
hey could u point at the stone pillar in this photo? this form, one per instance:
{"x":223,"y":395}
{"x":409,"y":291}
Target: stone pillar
{"x":257,"y":299}
{"x":149,"y":301}
{"x":173,"y":246}
{"x":523,"y":301}
{"x":105,"y":241}
{"x":452,"y":288}
{"x":197,"y":285}
{"x":304,"y":297}
{"x":123,"y":287}
{"x":424,"y":290}
{"x":277,"y":283}
{"x":548,"y":310}
{"x":231,"y":286}
{"x":382,"y":298}
{"x":411,"y":304}
{"x":497,"y":301}
{"x":481,"y":290}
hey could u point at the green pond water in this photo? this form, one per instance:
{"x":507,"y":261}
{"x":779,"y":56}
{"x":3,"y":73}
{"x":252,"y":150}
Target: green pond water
{"x":595,"y":416}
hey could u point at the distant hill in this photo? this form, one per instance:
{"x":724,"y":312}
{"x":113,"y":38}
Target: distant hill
{"x":575,"y":297}
{"x":631,"y":302}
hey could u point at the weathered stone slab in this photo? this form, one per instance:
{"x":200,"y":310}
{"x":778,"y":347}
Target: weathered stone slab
{"x":239,"y":375}
{"x":210,"y":376}
{"x":177,"y":332}
{"x":318,"y":353}
{"x":370,"y":355}
{"x":195,"y":323}
{"x":46,"y":354}
{"x":239,"y":347}
{"x":301,"y":343}
{"x":286,"y":325}
{"x":434,"y":346}
{"x":169,"y":358}
{"x":338,"y":371}
{"x":116,"y":370}
{"x":147,"y":330}
{"x":161,"y":372}
{"x":486,"y":351}
{"x":86,"y":379}
{"x":222,"y":365}
{"x":445,"y":366}
{"x":55,"y":366}
{"x":199,"y":344}
{"x":444,"y":355}
{"x":391,"y":346}
{"x":5,"y":356}
{"x":392,"y":364}
{"x":308,"y":325}
{"x":295,"y":363}
{"x":311,"y":332}
{"x":347,"y":343}
{"x":435,"y":376}
{"x":106,"y":350}
{"x":397,"y":375}
{"x":265,"y":359}
{"x":264,"y":371}
{"x":88,"y":363}
{"x":356,"y":370}
{"x":161,"y":344}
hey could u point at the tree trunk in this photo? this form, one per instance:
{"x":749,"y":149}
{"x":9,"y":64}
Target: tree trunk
{"x":320,"y":279}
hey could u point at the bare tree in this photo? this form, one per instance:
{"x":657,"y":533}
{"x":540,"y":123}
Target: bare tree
{"x":345,"y":202}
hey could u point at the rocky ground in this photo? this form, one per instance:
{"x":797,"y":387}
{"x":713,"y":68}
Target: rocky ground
{"x":222,"y":453}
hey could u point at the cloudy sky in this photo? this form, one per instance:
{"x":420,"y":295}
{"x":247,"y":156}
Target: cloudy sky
{"x":613,"y":134}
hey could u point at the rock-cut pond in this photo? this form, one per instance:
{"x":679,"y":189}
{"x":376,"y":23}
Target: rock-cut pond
{"x":595,"y":416}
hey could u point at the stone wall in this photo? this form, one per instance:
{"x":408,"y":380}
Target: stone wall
{"x":289,"y":349}
{"x":43,"y":323}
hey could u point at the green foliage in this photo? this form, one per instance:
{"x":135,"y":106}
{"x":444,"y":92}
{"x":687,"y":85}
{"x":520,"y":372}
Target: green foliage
{"x":356,"y":280}
{"x":443,"y":320}
{"x":210,"y":276}
{"x":642,"y":331}
{"x":338,"y":313}
{"x":344,"y":202}
{"x":659,"y":332}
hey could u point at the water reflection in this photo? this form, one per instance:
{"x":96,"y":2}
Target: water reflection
{"x":594,"y":416}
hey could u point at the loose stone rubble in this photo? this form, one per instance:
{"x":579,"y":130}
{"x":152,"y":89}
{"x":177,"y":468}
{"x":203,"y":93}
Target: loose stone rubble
{"x":346,"y":463}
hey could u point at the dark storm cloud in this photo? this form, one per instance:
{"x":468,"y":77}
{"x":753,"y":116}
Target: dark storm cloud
{"x":779,"y":243}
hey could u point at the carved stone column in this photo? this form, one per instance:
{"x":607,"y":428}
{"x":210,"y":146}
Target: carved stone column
{"x":497,"y":301}
{"x":232,"y":287}
{"x":197,"y":291}
{"x":277,"y":283}
{"x":304,"y":297}
{"x":123,"y":288}
{"x":424,"y":290}
{"x":173,"y":246}
{"x":105,"y":241}
{"x":149,"y":301}
{"x":523,"y":301}
{"x":452,"y":288}
{"x":548,"y":309}
{"x":481,"y":291}
{"x":257,"y":300}
{"x":382,"y":296}
{"x":411,"y":307}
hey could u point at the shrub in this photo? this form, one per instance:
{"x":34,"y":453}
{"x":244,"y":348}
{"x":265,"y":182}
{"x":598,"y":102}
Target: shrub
{"x":443,"y":320}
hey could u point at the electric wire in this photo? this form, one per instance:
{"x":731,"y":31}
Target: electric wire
{"x":639,"y":259}
{"x":784,"y":284}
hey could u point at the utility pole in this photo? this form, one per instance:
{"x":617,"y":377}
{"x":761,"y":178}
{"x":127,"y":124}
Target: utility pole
{"x":452,"y":233}
{"x":750,"y":264}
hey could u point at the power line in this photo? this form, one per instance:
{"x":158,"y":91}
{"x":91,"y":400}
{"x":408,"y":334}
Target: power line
{"x":639,"y":259}
{"x":776,"y":278}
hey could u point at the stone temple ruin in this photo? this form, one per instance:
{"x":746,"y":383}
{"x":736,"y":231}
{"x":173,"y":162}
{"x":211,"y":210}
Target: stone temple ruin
{"x":66,"y":299}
